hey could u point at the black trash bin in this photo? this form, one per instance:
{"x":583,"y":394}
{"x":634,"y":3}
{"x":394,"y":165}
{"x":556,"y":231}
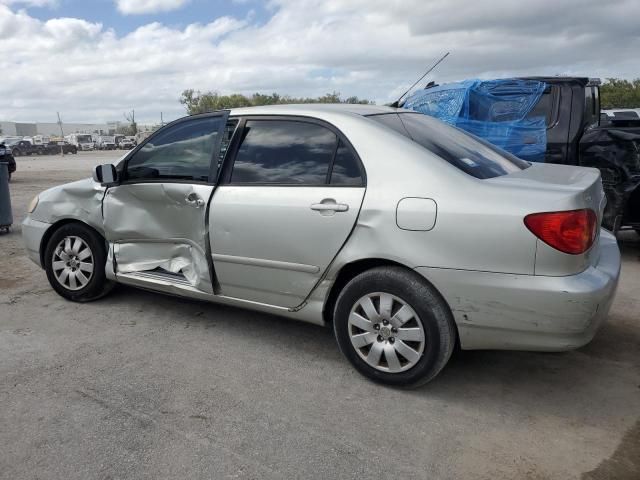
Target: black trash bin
{"x":6,"y":216}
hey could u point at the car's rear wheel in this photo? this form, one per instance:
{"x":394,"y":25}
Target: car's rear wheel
{"x":75,"y":258}
{"x":394,"y":327}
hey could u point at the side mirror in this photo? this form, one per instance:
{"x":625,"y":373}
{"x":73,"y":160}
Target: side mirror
{"x":105,"y":175}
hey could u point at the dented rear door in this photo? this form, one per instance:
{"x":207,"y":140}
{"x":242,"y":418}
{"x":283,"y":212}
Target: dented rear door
{"x":155,"y":220}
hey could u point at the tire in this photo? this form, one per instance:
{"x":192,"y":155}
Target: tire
{"x":427,"y":313}
{"x":75,"y":289}
{"x":15,"y":152}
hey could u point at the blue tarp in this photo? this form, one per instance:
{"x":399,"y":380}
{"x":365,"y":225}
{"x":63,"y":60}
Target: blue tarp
{"x":499,"y":111}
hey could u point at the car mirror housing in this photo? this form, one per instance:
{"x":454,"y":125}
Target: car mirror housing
{"x":105,"y":174}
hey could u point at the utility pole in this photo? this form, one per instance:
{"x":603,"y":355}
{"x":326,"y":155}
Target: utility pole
{"x":131,"y":118}
{"x":61,"y":133}
{"x":161,"y":121}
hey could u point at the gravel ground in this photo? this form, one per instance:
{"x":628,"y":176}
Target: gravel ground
{"x":141,"y":385}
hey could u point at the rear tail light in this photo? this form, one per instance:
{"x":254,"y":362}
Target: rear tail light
{"x":570,"y":232}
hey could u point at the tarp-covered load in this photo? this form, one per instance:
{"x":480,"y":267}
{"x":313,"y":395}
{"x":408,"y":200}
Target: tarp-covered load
{"x":499,"y":111}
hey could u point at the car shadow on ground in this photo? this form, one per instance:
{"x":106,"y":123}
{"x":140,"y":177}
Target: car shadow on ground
{"x":614,"y":342}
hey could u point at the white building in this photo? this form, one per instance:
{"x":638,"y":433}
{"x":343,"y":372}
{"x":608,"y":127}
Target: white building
{"x":26,"y":129}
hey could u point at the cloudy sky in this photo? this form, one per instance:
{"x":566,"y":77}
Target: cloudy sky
{"x":92,"y":60}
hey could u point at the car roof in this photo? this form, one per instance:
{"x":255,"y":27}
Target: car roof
{"x":313,"y":109}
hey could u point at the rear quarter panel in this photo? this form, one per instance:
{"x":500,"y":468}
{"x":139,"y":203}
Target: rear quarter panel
{"x":479,"y":226}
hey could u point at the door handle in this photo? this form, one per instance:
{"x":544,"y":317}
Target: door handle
{"x":194,"y":200}
{"x":329,"y":205}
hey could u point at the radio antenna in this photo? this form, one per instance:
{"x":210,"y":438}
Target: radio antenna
{"x":396,"y":104}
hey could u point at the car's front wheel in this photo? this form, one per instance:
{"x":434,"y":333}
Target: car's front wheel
{"x":74,"y":259}
{"x":394,"y":327}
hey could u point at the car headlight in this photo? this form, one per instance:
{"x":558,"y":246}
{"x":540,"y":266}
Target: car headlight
{"x":33,"y":204}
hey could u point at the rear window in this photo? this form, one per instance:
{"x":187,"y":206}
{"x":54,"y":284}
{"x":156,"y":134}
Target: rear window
{"x":467,"y":152}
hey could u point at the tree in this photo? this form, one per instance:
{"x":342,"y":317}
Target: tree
{"x":197,"y":102}
{"x":619,"y":93}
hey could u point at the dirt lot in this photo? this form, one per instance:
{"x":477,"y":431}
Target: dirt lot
{"x":140,"y":385}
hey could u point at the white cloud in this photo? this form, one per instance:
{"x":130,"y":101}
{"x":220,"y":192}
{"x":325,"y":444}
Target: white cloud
{"x":370,"y":48}
{"x":30,"y":3}
{"x":136,"y":7}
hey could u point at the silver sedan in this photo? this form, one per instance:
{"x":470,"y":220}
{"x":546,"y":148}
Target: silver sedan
{"x":407,"y":236}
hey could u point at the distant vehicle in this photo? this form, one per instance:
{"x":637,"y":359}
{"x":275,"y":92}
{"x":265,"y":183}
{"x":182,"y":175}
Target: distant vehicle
{"x":19,"y":148}
{"x":625,"y":117}
{"x":9,"y":139}
{"x":106,"y":142}
{"x":127,"y":143}
{"x":54,"y":148}
{"x":82,"y":141}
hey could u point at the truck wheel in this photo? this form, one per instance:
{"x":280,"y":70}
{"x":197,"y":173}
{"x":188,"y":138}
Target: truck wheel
{"x":74,"y":260}
{"x":394,"y":327}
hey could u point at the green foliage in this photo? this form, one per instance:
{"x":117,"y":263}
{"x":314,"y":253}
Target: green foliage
{"x":197,"y":102}
{"x":619,"y":93}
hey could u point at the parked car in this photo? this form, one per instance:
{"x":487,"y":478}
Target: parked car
{"x":82,"y":141}
{"x":404,"y":234}
{"x":54,"y":148}
{"x":6,"y":156}
{"x":23,"y":147}
{"x":106,"y":142}
{"x":126,"y":143}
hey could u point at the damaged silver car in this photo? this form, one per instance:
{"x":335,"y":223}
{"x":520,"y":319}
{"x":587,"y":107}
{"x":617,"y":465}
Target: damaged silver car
{"x":406,"y":235}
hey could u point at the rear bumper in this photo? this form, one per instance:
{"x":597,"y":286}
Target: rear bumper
{"x":32,"y":233}
{"x":530,"y":312}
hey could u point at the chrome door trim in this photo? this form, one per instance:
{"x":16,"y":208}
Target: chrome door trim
{"x":259,"y":262}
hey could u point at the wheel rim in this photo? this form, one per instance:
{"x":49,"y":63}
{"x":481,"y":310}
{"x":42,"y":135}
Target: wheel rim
{"x":386,"y":332}
{"x":72,"y":263}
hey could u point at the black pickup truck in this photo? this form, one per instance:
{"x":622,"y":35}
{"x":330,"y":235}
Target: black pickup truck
{"x":23,"y":147}
{"x":575,"y":135}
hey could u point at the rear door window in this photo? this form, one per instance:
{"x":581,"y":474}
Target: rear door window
{"x":346,"y":168}
{"x":284,"y":152}
{"x":466,"y":152}
{"x":547,"y":106}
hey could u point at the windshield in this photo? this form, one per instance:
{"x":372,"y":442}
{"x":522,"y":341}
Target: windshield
{"x":83,"y":138}
{"x":470,"y":154}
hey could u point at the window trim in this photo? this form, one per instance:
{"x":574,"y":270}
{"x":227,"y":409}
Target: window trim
{"x":230,"y":158}
{"x":212,"y":166}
